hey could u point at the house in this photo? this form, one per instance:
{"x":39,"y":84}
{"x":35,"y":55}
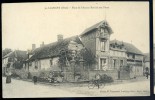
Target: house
{"x":13,"y":59}
{"x":6,"y":51}
{"x":111,"y":55}
{"x":133,"y":56}
{"x":146,"y":62}
{"x":100,"y":55}
{"x":48,"y":57}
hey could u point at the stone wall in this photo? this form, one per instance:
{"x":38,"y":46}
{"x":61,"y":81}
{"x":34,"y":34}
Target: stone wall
{"x":112,"y":73}
{"x":124,"y":75}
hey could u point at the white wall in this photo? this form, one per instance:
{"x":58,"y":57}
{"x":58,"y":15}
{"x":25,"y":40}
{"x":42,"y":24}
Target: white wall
{"x":138,"y":70}
{"x":45,"y":63}
{"x":5,"y":61}
{"x":55,"y":61}
{"x":117,"y":53}
{"x":139,"y":57}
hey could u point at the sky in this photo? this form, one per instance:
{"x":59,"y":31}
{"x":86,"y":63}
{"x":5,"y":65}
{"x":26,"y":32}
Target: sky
{"x":24,"y":24}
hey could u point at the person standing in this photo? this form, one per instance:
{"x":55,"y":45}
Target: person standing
{"x":8,"y":77}
{"x":147,"y":74}
{"x":97,"y":79}
{"x":35,"y":79}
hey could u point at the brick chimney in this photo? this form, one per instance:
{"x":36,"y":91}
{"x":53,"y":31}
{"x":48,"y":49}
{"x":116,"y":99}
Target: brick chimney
{"x":59,"y":37}
{"x":33,"y":46}
{"x":41,"y":45}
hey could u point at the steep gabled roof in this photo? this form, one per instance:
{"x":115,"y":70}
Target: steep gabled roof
{"x":8,"y":55}
{"x":17,"y":54}
{"x":52,"y":49}
{"x":97,"y":26}
{"x":129,"y":47}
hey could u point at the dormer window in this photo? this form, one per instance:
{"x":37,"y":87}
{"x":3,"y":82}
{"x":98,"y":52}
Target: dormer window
{"x":102,"y":30}
{"x":120,"y":47}
{"x":113,"y":46}
{"x":133,"y":56}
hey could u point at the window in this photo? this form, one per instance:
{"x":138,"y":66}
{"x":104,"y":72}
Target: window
{"x":133,"y":56}
{"x":36,"y":64}
{"x":121,"y":62}
{"x":113,"y":46}
{"x":30,"y":63}
{"x":128,"y":55}
{"x":114,"y":63}
{"x":103,"y":46}
{"x":103,"y":62}
{"x":102,"y":30}
{"x":51,"y":62}
{"x":120,"y":47}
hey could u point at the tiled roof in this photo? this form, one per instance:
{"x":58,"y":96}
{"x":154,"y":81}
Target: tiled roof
{"x":129,"y":47}
{"x":17,"y":54}
{"x":97,"y":26}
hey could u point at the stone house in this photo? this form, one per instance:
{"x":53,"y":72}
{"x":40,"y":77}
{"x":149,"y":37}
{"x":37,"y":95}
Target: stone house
{"x":14,"y":59}
{"x":109,"y":56}
{"x":47,"y":57}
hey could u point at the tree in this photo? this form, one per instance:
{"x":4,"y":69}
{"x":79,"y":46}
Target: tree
{"x":88,"y":57}
{"x":18,"y":65}
{"x":64,"y":58}
{"x":67,"y":55}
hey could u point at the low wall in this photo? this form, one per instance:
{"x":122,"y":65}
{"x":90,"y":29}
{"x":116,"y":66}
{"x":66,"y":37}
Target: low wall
{"x":112,"y":73}
{"x":124,"y":75}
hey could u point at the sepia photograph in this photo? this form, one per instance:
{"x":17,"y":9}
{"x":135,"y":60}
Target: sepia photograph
{"x":75,"y":49}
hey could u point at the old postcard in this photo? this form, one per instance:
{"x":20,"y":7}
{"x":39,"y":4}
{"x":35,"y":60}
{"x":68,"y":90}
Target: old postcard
{"x":75,"y":49}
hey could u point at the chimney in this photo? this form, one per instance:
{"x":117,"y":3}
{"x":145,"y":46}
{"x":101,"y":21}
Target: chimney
{"x":33,"y":46}
{"x":59,"y":37}
{"x":41,"y":45}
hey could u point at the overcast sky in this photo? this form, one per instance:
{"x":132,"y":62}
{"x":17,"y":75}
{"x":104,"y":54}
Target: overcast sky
{"x":24,"y":24}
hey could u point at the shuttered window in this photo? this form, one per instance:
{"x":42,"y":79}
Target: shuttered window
{"x":103,"y":46}
{"x":103,"y":63}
